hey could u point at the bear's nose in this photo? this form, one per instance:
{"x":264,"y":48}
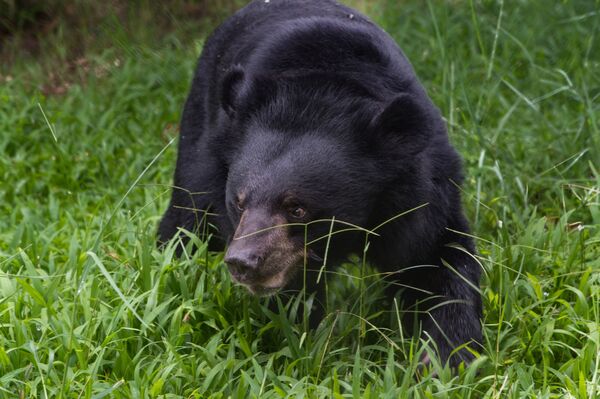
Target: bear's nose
{"x":242,"y":263}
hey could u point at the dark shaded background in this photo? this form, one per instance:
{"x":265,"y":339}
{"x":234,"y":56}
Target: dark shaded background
{"x":27,"y":25}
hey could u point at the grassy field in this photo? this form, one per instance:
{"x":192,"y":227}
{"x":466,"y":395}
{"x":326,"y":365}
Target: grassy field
{"x":90,"y":309}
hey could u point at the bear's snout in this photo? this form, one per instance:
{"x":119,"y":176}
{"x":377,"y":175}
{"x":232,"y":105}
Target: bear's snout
{"x":243,"y":262}
{"x":261,"y":255}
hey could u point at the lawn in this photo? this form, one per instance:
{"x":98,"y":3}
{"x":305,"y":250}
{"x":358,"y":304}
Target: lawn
{"x":89,"y":308}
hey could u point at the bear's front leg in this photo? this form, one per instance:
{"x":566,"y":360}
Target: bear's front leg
{"x":451,"y":314}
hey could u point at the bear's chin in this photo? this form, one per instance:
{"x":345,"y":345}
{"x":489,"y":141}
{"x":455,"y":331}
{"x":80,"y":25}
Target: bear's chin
{"x":272,"y":284}
{"x":262,"y":291}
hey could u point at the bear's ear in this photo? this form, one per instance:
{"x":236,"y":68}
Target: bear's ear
{"x":231,"y":86}
{"x":242,"y":94}
{"x":405,"y":123}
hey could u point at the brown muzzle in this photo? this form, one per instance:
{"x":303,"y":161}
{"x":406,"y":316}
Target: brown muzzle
{"x":258,"y":237}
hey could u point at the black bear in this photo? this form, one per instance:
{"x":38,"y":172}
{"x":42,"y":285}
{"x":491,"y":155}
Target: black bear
{"x":305,"y":129}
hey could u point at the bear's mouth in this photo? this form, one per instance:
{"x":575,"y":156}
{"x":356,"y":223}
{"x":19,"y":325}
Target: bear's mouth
{"x":276,"y":274}
{"x":267,"y":285}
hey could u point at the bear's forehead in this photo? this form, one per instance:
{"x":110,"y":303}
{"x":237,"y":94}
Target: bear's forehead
{"x":288,"y":149}
{"x":286,"y":172}
{"x":270,"y":164}
{"x":291,"y":164}
{"x":309,"y":182}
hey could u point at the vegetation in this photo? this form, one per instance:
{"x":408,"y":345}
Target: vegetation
{"x":89,"y":308}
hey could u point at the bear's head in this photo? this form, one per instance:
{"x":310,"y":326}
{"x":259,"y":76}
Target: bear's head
{"x":312,"y":156}
{"x":294,"y":201}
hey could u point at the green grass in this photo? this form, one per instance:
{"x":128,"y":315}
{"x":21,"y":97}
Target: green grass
{"x":90,"y":309}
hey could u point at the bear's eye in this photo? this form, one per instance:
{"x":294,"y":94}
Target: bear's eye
{"x":297,"y":212}
{"x":239,"y":204}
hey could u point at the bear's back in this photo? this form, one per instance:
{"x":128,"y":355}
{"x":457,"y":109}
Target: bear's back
{"x":283,"y":35}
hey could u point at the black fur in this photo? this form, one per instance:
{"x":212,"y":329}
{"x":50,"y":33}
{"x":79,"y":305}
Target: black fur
{"x":311,"y":98}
